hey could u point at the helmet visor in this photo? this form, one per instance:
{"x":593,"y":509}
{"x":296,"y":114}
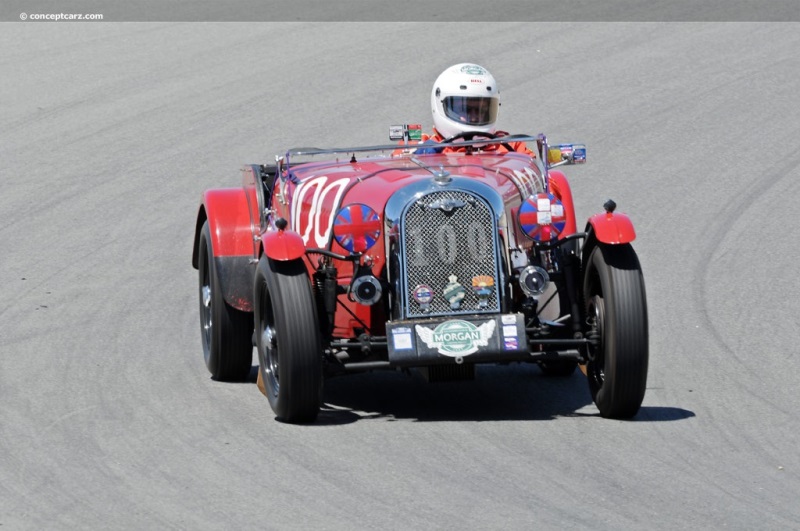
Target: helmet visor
{"x":471,"y":110}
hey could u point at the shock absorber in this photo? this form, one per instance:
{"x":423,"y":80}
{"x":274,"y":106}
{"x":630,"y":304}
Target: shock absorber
{"x":571,"y":271}
{"x":325,"y":288}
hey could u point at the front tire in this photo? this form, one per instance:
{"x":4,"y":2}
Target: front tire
{"x":616,"y":309}
{"x":226,"y":332}
{"x":288,"y":340}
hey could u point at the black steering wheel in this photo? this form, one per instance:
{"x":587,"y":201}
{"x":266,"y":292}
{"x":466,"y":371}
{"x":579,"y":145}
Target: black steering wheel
{"x":469,"y":135}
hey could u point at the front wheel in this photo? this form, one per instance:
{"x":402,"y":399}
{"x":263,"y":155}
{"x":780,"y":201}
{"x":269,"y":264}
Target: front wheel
{"x":616,"y":310}
{"x":288,"y":340}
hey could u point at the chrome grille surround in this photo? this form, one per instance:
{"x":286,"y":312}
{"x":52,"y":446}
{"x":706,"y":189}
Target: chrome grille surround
{"x":448,"y":232}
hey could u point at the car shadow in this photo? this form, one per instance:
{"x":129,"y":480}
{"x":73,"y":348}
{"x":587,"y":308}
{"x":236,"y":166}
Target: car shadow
{"x":649,"y":414}
{"x":512,"y":392}
{"x":662,"y":414}
{"x":498,"y":393}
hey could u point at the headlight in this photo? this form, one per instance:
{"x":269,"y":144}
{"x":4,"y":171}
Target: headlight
{"x":541,"y":217}
{"x":533,"y":280}
{"x":366,"y":290}
{"x":357,"y":227}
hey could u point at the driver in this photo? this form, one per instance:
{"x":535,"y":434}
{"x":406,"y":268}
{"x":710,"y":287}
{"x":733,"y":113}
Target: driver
{"x":465,"y":99}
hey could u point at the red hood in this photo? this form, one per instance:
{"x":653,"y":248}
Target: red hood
{"x":322,"y":188}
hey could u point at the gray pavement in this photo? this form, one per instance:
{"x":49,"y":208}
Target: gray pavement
{"x":108,"y":419}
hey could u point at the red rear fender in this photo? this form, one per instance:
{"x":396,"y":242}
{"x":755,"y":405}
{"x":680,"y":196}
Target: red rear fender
{"x":612,"y":228}
{"x":559,"y":186}
{"x":229,"y":220}
{"x":232,"y":244}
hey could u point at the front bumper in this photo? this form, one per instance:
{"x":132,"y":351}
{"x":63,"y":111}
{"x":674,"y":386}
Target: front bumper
{"x":447,"y":340}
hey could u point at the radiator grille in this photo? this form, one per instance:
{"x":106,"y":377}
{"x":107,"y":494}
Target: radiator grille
{"x":449,"y":234}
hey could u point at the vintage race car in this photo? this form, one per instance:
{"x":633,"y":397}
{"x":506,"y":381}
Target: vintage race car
{"x":340,"y":260}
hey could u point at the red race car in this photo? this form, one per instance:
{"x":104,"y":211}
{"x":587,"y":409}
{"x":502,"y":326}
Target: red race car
{"x":340,"y":260}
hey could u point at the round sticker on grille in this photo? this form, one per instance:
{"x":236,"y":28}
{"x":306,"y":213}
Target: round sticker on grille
{"x":423,"y":294}
{"x":542,"y":217}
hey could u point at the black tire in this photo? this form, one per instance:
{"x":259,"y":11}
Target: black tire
{"x":559,"y":369}
{"x":616,"y":308}
{"x":288,"y":340}
{"x":226,"y":332}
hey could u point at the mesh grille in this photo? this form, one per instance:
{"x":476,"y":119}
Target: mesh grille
{"x":449,"y":233}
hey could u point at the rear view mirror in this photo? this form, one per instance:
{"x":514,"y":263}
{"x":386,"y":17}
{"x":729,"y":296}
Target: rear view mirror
{"x":566,"y":154}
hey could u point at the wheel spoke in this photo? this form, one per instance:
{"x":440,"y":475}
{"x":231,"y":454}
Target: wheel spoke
{"x":206,"y":296}
{"x":596,"y":316}
{"x":269,"y":345}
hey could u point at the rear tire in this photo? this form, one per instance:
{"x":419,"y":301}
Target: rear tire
{"x":226,"y":332}
{"x":288,"y":340}
{"x":616,"y":308}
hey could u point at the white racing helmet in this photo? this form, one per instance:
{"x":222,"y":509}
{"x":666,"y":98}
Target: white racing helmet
{"x":465,"y":98}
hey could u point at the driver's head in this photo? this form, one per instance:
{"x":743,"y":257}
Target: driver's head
{"x":465,"y":98}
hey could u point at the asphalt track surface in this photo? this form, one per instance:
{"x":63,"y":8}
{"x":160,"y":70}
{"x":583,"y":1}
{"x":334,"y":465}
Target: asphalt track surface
{"x":108,"y":417}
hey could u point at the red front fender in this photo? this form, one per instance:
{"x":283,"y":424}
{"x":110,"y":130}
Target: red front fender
{"x":613,"y":228}
{"x":283,"y":245}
